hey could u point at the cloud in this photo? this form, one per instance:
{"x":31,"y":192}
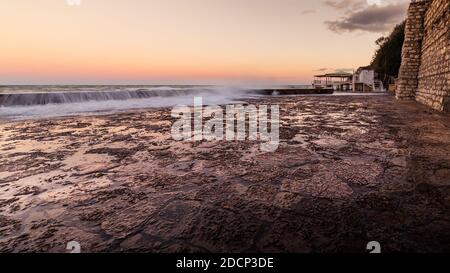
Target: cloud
{"x":372,"y":18}
{"x":348,"y":70}
{"x":337,"y":70}
{"x":309,"y":11}
{"x":345,"y":4}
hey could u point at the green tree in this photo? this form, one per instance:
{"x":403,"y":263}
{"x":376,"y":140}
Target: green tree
{"x":388,"y":57}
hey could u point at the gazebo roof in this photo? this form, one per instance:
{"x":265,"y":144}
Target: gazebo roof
{"x":335,"y":75}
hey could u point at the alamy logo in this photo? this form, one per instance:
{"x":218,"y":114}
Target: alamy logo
{"x":236,"y":123}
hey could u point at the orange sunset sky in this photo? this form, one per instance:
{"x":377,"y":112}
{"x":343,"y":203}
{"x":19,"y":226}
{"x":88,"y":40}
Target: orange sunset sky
{"x":188,"y":41}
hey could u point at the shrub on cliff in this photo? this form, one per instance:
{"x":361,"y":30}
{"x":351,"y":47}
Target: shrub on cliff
{"x":388,"y":57}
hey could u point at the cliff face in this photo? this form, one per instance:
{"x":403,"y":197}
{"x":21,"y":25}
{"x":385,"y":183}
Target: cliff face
{"x":425,"y":70}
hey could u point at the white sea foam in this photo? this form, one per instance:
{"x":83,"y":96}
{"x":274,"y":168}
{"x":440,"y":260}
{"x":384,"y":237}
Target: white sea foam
{"x":66,"y":101}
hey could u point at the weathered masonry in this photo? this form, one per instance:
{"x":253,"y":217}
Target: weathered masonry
{"x":425,"y":69}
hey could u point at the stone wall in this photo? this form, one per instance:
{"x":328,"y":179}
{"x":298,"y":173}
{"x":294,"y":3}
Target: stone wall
{"x":411,"y":53}
{"x":425,"y":70}
{"x":434,"y":73}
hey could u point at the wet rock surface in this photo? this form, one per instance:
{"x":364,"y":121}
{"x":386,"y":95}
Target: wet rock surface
{"x":348,"y":170}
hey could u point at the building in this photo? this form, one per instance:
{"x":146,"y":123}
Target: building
{"x":363,"y":80}
{"x":340,"y":81}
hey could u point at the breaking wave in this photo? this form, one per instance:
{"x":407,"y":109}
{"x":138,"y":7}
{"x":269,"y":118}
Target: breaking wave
{"x":68,"y":97}
{"x":25,"y":102}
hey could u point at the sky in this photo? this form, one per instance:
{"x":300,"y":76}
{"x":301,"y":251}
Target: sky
{"x":188,"y":41}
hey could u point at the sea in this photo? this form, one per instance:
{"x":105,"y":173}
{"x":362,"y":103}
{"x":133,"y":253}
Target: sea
{"x":21,"y":102}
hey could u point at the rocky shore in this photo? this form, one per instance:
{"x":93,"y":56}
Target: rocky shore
{"x":349,"y":170}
